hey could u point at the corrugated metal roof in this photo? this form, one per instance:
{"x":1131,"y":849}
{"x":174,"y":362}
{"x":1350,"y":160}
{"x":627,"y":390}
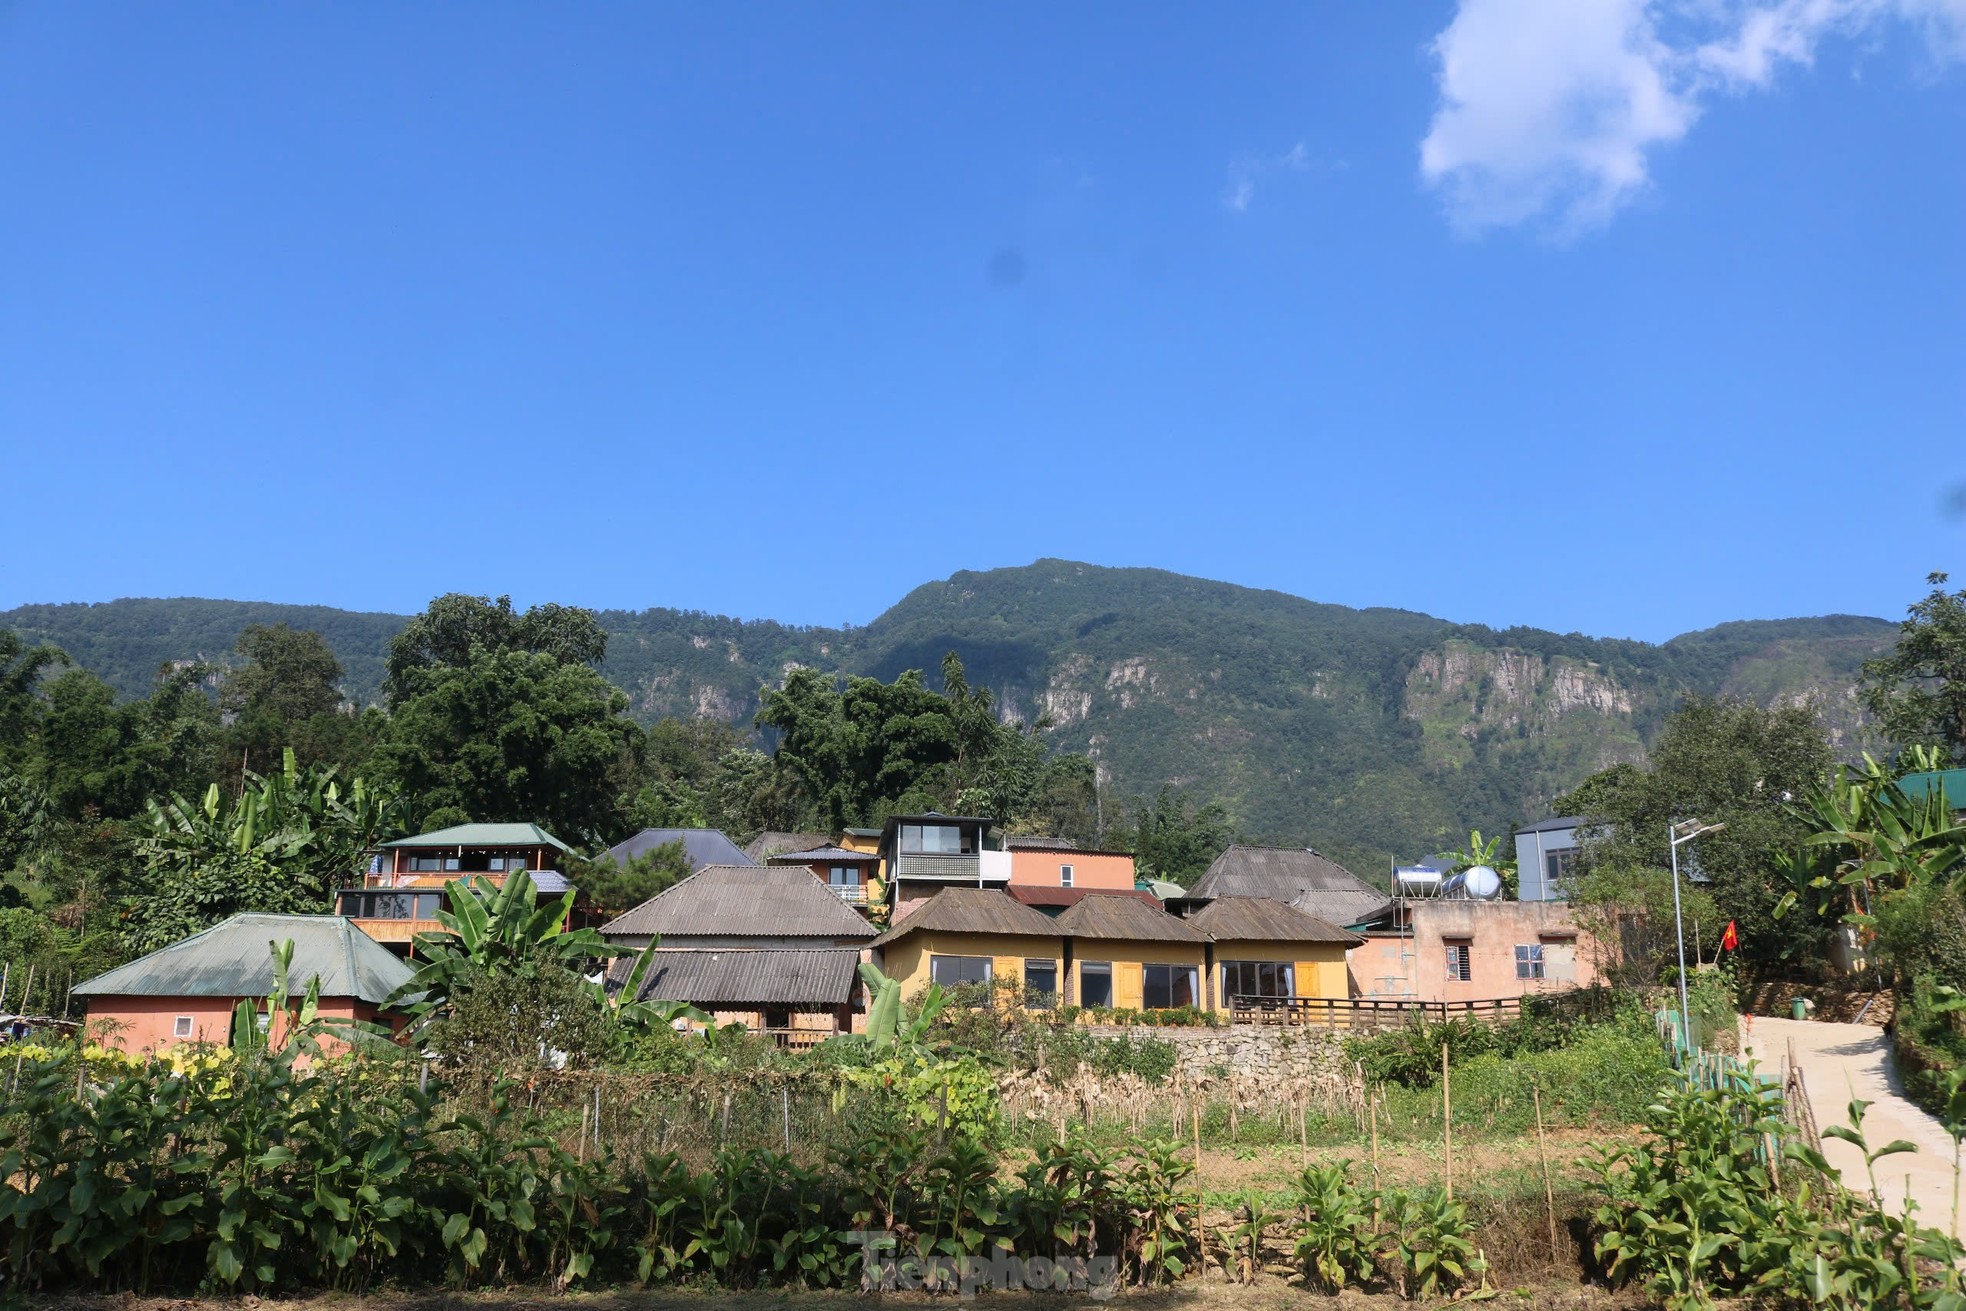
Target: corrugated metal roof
{"x":1164,"y":890}
{"x":1035,"y":842}
{"x":772,"y":841}
{"x":235,"y":959}
{"x":1554,"y":825}
{"x":819,"y":855}
{"x":484,"y":835}
{"x":1124,"y":917}
{"x":549,"y":880}
{"x":1284,"y":874}
{"x":1251,"y":919}
{"x":973,"y":910}
{"x":1062,"y":897}
{"x":722,"y":901}
{"x":703,"y":846}
{"x":1920,"y":786}
{"x":822,"y":976}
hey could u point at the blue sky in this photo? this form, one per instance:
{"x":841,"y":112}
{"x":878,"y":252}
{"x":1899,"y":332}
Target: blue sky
{"x":1587,"y":314}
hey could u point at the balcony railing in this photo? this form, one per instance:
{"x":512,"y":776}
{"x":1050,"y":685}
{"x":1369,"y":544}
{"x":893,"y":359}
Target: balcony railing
{"x":937,"y":865}
{"x":853,"y":894}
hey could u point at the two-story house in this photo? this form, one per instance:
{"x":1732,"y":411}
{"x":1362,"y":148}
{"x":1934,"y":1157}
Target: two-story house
{"x":403,"y":890}
{"x":923,"y":854}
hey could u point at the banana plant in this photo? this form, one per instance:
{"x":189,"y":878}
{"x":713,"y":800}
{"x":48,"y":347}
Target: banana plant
{"x":887,"y":1023}
{"x":491,"y":929}
{"x":1878,"y":840}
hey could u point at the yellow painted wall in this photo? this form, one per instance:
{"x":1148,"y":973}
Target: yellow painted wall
{"x":1320,"y":966}
{"x":1129,"y":960}
{"x":907,"y":960}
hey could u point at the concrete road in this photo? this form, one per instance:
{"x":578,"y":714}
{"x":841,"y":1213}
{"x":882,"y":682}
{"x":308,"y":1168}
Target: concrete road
{"x":1841,"y":1061}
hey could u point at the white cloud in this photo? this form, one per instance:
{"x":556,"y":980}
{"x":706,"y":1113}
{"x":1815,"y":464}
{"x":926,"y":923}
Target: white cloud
{"x":1550,"y":109}
{"x":1244,"y":172}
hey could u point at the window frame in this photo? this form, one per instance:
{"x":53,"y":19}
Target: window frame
{"x":1270,"y":980}
{"x":1173,"y":975}
{"x":1529,"y":961}
{"x":1101,"y":969}
{"x":1064,"y":876}
{"x":1460,"y":959}
{"x":935,"y":966}
{"x":1044,"y":965}
{"x":182,"y":1026}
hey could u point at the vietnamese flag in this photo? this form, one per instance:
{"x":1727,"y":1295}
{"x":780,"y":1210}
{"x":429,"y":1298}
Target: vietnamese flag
{"x":1731,"y":938}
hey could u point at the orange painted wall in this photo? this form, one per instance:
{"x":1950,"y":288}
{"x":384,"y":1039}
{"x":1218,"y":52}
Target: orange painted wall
{"x":146,"y":1024}
{"x":1039,"y":869}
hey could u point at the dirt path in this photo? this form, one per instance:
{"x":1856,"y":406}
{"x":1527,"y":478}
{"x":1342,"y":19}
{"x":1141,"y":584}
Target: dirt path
{"x":1841,"y":1061}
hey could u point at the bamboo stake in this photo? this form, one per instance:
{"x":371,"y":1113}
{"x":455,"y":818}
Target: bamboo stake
{"x":1304,"y":1130}
{"x":582,"y":1153}
{"x":1201,"y":1194}
{"x":1447,"y":1119}
{"x":1372,"y":1110}
{"x":1549,"y":1195}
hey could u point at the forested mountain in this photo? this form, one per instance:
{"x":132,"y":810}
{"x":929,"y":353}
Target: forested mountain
{"x":1366,"y":732}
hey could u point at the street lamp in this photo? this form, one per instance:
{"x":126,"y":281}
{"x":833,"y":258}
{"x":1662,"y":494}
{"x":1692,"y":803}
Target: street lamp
{"x":1684,"y":831}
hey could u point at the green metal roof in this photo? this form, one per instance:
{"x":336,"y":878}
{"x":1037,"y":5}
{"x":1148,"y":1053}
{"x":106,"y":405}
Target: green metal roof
{"x":1920,"y":786}
{"x":483,"y":835}
{"x":235,"y":959}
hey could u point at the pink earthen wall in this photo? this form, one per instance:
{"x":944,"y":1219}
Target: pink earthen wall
{"x":1090,"y":869}
{"x":145,"y":1024}
{"x":1415,"y":967}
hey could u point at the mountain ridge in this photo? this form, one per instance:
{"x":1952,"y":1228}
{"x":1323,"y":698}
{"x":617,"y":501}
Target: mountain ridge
{"x":1367,"y":731}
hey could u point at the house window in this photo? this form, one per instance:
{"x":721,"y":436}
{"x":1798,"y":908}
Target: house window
{"x":1041,"y":983}
{"x":181,"y":1027}
{"x":778,"y":1019}
{"x":1064,"y":876}
{"x":955,"y":971}
{"x":1258,"y":978}
{"x":1556,"y":868}
{"x":941,"y":839}
{"x":1095,"y":983}
{"x":1529,"y":961}
{"x":1460,"y":962}
{"x":1165,"y":987}
{"x":843,"y":876}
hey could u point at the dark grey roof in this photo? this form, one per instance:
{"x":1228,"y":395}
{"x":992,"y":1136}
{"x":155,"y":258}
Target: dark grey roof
{"x":1125,"y":917}
{"x":1288,"y":874}
{"x":824,"y":855}
{"x":1036,"y":842}
{"x":973,"y":910}
{"x":1554,"y":825}
{"x":1260,"y":919}
{"x":723,"y":901}
{"x":235,"y":959}
{"x":703,"y":846}
{"x":821,"y":976}
{"x":772,"y":841}
{"x":484,"y":835}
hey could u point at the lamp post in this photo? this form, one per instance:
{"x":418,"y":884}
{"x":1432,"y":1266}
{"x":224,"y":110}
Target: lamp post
{"x":1683,"y":831}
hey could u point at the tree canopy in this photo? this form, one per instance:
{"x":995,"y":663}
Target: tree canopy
{"x":1918,"y":689}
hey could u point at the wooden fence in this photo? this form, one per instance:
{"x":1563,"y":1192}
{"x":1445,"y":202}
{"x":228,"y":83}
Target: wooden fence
{"x":1368,"y":1013}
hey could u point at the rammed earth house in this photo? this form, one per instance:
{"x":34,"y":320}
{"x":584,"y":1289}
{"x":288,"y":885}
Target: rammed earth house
{"x":186,"y":992}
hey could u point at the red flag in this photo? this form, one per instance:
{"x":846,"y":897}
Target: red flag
{"x":1730,"y":939}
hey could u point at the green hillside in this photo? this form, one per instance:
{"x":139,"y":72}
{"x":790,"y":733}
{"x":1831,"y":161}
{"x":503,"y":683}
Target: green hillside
{"x":1364,"y":732}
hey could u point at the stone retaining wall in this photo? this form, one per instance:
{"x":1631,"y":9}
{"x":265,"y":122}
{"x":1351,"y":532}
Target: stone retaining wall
{"x":1275,"y":1051}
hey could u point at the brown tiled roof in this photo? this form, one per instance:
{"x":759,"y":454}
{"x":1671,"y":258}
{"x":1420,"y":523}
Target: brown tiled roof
{"x":1285,"y":874}
{"x":783,"y":901}
{"x":1121,"y":917}
{"x":1042,"y":895}
{"x":1250,"y":919}
{"x":972,"y":910}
